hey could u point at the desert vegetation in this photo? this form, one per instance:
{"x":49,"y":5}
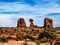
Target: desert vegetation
{"x":6,"y":35}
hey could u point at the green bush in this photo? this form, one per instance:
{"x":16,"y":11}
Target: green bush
{"x":46,"y":34}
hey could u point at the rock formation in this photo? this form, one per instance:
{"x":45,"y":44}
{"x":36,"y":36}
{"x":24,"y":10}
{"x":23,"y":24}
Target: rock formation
{"x":21,"y":23}
{"x":48,"y":23}
{"x":31,"y":23}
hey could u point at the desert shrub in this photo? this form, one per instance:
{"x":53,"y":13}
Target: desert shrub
{"x":3,"y":39}
{"x":32,"y":30}
{"x":0,"y":39}
{"x":37,"y":41}
{"x":35,"y":33}
{"x":1,"y":31}
{"x":43,"y":40}
{"x":29,"y":37}
{"x":18,"y":37}
{"x":14,"y":29}
{"x":11,"y":38}
{"x":48,"y":35}
{"x":57,"y":43}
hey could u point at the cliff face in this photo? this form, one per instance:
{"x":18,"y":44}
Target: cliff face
{"x":21,"y":23}
{"x":48,"y":23}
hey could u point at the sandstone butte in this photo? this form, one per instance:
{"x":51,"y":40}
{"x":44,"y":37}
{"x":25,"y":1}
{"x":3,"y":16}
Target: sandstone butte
{"x":48,"y":23}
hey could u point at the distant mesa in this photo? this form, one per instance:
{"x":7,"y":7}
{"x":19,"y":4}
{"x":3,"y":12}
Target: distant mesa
{"x":48,"y":23}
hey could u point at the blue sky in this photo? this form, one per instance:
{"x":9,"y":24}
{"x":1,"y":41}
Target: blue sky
{"x":12,"y":10}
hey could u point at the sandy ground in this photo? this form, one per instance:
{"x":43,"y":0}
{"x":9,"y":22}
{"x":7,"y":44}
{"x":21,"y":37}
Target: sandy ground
{"x":22,"y":43}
